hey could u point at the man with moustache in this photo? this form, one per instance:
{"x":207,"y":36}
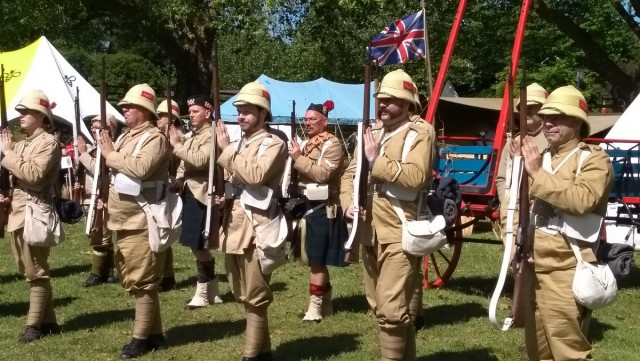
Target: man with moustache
{"x":140,"y":155}
{"x":192,"y":179}
{"x":322,"y":231}
{"x":396,"y":178}
{"x":252,"y":232}
{"x":570,"y":178}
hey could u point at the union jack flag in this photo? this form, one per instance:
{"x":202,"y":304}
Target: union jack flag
{"x":400,"y":41}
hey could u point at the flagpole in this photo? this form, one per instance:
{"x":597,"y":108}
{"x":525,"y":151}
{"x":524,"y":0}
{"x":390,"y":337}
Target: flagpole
{"x":426,"y":48}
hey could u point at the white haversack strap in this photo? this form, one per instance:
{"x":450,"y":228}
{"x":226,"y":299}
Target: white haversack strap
{"x":575,"y":249}
{"x":398,"y":209}
{"x":141,"y":141}
{"x":514,"y":190}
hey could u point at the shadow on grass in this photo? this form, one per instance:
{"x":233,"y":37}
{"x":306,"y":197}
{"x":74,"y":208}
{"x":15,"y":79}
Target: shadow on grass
{"x":450,"y":314}
{"x":597,"y":330}
{"x":14,"y":277}
{"x":353,"y":303}
{"x":70,"y":270}
{"x":98,"y":319}
{"x":317,"y":347}
{"x":477,"y":285}
{"x":481,"y":354}
{"x":204,"y":332}
{"x":187,"y":283}
{"x":278,"y":287}
{"x":21,"y":308}
{"x":633,"y":280}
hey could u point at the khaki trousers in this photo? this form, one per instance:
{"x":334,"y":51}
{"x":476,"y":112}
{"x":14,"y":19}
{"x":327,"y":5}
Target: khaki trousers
{"x":554,"y":320}
{"x":32,"y":262}
{"x":138,"y":267}
{"x":248,"y":284}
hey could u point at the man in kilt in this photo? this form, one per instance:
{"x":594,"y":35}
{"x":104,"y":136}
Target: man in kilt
{"x":320,"y":232}
{"x":192,"y":179}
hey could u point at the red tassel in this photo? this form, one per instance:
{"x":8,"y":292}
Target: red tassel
{"x":328,"y":105}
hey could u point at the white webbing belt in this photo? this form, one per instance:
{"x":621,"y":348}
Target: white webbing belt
{"x":514,"y":191}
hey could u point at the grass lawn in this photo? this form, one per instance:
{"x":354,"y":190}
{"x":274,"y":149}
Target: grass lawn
{"x":98,"y":321}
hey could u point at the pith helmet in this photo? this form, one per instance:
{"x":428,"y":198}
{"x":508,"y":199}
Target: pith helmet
{"x":416,"y":100}
{"x":568,"y":100}
{"x":398,"y":84}
{"x":175,"y":109}
{"x":111,"y":120}
{"x":256,"y":94}
{"x":535,"y":95}
{"x":141,"y":95}
{"x":36,"y":100}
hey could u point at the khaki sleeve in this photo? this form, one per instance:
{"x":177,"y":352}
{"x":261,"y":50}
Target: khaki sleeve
{"x":88,"y":162}
{"x":32,"y":168}
{"x":414,"y":172}
{"x":346,"y":183}
{"x":257,"y":172}
{"x":579,"y":195}
{"x":145,"y":163}
{"x":199,"y":157}
{"x":180,"y":170}
{"x":501,"y":177}
{"x":330,"y":164}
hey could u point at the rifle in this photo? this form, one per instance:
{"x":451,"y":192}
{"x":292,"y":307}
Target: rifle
{"x":95,"y":218}
{"x":173,"y":163}
{"x":293,"y":181}
{"x":361,"y":180}
{"x":211,"y":232}
{"x":5,"y":183}
{"x":78,"y":169}
{"x":522,"y":259}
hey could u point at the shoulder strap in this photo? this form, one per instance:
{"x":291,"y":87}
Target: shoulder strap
{"x":408,"y":142}
{"x":141,"y":141}
{"x":583,"y":156}
{"x":325,"y":146}
{"x":263,"y":146}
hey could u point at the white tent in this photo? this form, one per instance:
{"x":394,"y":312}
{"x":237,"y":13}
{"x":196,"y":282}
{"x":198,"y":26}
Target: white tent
{"x":40,"y":66}
{"x":627,"y":127}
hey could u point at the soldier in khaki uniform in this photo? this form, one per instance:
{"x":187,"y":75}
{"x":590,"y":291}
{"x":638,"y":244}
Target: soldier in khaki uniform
{"x":322,"y":230}
{"x":570,"y":178}
{"x":536,"y":95}
{"x":390,"y":273}
{"x":34,"y":163}
{"x":102,"y":261}
{"x":166,"y":121}
{"x":139,"y":268}
{"x":193,"y":181}
{"x":256,"y":162}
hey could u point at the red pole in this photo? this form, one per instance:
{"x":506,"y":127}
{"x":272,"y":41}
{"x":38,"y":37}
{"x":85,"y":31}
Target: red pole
{"x":446,"y":60}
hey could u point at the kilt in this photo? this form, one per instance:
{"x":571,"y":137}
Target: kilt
{"x":322,"y":239}
{"x":194,"y":218}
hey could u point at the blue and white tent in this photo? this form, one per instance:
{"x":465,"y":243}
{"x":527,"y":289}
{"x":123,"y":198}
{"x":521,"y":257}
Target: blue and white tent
{"x":348,"y":100}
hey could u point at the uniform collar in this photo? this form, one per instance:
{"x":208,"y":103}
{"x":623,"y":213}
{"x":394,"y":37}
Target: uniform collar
{"x":206,"y":126}
{"x":35,"y":134}
{"x":566,"y":147}
{"x":140,"y":128}
{"x":254,"y":134}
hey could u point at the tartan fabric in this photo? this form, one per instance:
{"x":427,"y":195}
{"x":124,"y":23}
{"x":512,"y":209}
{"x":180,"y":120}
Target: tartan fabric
{"x":194,"y":216}
{"x":325,"y":238}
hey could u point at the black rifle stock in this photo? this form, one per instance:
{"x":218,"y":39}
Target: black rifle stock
{"x":5,"y":184}
{"x":97,"y":225}
{"x":520,"y":263}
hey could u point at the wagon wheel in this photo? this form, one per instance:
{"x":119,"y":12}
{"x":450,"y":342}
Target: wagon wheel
{"x":440,"y":265}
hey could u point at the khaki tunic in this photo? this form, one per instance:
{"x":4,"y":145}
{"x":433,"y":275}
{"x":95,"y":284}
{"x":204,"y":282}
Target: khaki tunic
{"x":88,"y":162}
{"x":150,"y":164}
{"x":34,"y":163}
{"x":413,"y":173}
{"x":325,"y":171}
{"x":554,"y":321}
{"x":246,"y":168}
{"x":193,"y":171}
{"x":576,"y":195}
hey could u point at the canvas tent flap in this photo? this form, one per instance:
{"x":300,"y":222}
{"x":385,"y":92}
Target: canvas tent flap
{"x":348,"y":99}
{"x":627,"y":127}
{"x":40,"y":66}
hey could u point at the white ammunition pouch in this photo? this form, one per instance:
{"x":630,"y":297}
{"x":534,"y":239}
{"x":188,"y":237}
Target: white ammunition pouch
{"x":420,"y":238}
{"x":257,"y":197}
{"x":316,"y":192}
{"x":594,"y":286}
{"x":41,"y":225}
{"x":125,"y":184}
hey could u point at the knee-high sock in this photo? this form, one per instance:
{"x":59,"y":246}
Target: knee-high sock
{"x":39,"y":292}
{"x":206,"y":271}
{"x":167,"y":270}
{"x":146,"y":304}
{"x":257,"y":328}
